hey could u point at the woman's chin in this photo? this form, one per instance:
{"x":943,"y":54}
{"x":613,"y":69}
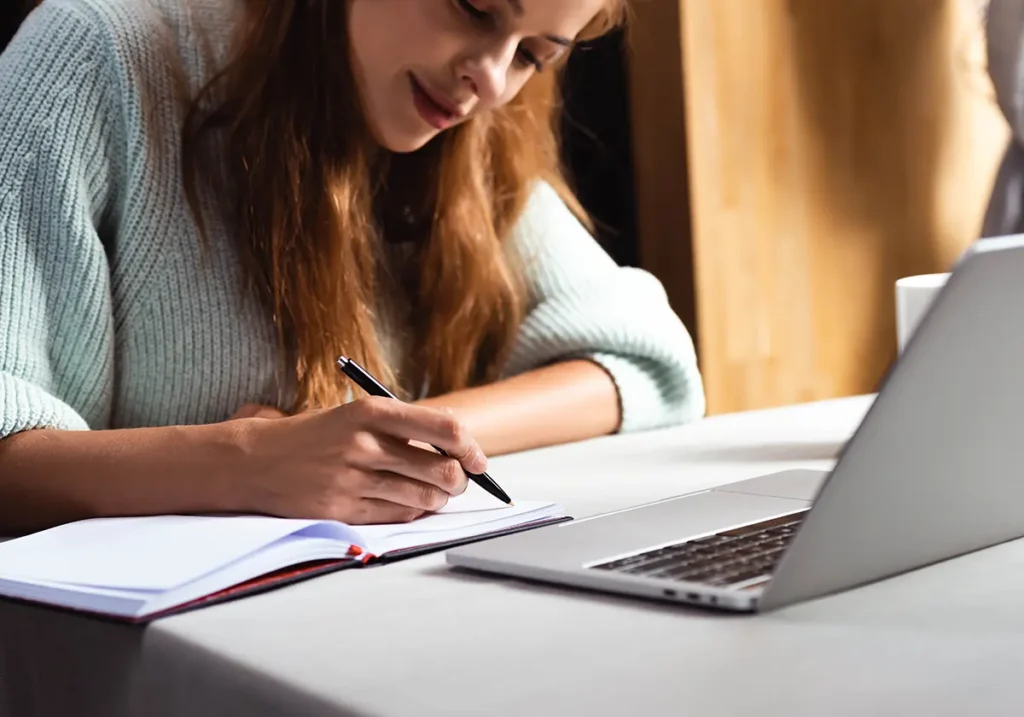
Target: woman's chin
{"x":404,"y":142}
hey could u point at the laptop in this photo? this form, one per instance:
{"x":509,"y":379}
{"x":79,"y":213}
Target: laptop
{"x":935,"y":470}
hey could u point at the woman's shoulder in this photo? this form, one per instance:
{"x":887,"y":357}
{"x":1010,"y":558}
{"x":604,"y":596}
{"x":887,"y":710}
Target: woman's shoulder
{"x":545,"y":202}
{"x":134,"y":30}
{"x":549,"y":229}
{"x":114,"y":20}
{"x":546,"y":213}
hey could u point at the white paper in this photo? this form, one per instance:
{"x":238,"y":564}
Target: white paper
{"x":143,"y":553}
{"x":470,"y":514}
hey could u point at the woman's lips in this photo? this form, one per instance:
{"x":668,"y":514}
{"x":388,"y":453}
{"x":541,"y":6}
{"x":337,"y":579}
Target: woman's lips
{"x":431,"y":110}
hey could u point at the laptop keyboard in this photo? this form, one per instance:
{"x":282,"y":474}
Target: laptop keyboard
{"x":727,"y":558}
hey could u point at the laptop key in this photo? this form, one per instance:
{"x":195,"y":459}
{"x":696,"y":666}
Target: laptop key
{"x":730,"y":557}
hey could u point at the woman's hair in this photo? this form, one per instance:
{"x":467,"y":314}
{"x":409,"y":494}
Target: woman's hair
{"x":312,"y":197}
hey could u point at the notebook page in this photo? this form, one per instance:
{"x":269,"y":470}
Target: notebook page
{"x":143,"y":553}
{"x":283,"y":553}
{"x":471,"y":514}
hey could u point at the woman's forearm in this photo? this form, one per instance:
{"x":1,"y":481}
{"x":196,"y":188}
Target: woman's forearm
{"x":48,"y":477}
{"x":561,"y":403}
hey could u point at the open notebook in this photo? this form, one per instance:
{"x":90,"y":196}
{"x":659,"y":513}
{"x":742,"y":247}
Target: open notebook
{"x":137,"y":569}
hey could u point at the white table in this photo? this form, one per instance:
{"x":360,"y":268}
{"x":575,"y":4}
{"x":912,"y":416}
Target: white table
{"x":417,"y":638}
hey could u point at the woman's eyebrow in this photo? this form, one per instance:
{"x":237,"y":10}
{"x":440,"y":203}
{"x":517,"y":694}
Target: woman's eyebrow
{"x":517,"y":9}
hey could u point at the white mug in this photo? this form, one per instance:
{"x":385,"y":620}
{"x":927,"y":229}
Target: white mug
{"x":914,"y":294}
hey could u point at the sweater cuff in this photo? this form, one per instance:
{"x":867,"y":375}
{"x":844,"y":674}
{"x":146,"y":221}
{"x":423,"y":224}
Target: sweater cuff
{"x":24,"y":406}
{"x":643,"y":398}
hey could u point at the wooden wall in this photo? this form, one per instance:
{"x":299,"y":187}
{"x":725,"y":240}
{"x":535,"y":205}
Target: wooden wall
{"x":793,"y":159}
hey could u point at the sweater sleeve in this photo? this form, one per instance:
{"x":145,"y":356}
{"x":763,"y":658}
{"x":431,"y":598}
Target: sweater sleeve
{"x":1004,"y":27}
{"x":584,"y":305}
{"x":56,"y":325}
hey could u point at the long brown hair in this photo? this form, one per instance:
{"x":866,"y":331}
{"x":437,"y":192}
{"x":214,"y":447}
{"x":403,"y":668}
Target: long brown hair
{"x":311,"y":199}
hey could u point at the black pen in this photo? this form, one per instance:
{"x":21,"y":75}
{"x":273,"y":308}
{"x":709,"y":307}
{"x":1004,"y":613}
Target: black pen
{"x":374,"y":387}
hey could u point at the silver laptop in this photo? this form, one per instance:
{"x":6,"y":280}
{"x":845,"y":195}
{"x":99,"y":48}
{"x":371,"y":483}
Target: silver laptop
{"x":935,"y":470}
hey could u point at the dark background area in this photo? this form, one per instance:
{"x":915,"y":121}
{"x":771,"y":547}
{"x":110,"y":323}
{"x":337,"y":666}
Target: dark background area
{"x":596,"y":140}
{"x":11,"y":14}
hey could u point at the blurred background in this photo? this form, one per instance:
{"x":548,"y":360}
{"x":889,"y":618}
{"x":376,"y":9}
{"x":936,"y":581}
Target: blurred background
{"x":778,"y":164}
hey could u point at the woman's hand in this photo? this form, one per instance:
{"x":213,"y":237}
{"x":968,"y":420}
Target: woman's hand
{"x":354,"y":463}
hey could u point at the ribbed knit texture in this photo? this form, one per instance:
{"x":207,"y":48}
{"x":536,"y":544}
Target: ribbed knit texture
{"x":112,"y":316}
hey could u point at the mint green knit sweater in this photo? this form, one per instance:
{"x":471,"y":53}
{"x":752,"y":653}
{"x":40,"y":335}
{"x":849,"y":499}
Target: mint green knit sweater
{"x":110,"y":315}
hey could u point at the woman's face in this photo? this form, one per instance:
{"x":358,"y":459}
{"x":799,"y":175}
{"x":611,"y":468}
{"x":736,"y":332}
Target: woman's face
{"x":424,"y":66}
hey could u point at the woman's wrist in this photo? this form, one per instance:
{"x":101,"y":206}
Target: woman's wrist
{"x":229,"y":472}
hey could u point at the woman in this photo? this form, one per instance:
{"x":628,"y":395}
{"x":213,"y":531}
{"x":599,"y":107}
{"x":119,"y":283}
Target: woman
{"x":204,"y":203}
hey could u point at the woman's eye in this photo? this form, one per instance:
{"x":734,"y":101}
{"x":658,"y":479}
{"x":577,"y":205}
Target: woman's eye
{"x":473,"y":11}
{"x":525,"y":57}
{"x":529,"y":59}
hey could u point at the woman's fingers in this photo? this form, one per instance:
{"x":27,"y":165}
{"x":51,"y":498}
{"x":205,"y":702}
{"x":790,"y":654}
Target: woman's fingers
{"x":401,"y":490}
{"x":419,"y":423}
{"x":422,"y":464}
{"x":369,"y":511}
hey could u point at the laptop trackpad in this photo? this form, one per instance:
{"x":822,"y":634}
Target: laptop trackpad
{"x":799,"y":484}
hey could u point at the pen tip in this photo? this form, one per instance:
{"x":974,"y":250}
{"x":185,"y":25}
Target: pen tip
{"x":511,"y":504}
